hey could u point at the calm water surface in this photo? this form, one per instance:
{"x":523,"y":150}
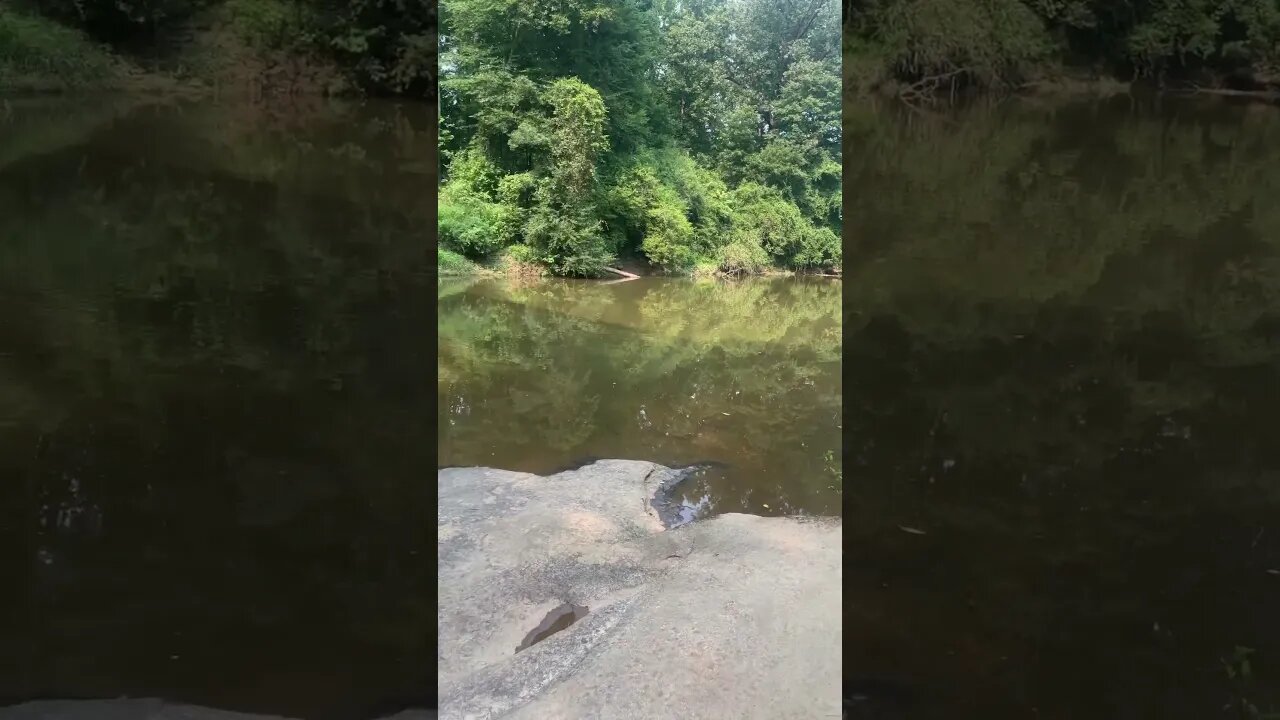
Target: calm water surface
{"x":743,"y":377}
{"x":1062,"y":366}
{"x":215,"y":362}
{"x":1061,"y":373}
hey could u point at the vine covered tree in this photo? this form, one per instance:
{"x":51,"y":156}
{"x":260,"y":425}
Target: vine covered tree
{"x":700,"y":135}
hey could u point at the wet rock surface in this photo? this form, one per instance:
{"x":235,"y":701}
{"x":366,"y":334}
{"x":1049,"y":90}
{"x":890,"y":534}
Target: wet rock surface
{"x":666,"y":499}
{"x":732,"y":616}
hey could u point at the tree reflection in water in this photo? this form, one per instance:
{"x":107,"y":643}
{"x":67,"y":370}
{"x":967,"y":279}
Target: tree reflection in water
{"x":214,"y":365}
{"x":1062,"y":364}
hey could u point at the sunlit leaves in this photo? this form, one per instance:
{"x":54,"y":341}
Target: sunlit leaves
{"x":618,"y":110}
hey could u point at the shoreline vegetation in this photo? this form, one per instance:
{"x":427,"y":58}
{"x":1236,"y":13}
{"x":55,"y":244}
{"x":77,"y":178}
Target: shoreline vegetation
{"x":688,"y":138}
{"x":685,"y":138}
{"x":256,"y":49}
{"x":452,"y":264}
{"x":925,"y":50}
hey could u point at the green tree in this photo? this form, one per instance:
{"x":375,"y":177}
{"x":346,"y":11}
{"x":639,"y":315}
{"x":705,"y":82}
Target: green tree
{"x":932,"y":45}
{"x":630,"y":124}
{"x":564,"y":227}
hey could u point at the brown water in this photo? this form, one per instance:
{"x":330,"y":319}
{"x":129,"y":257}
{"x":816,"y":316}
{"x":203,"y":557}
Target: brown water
{"x":742,"y":377}
{"x":215,"y":359}
{"x":1062,"y":376}
{"x":1061,"y":364}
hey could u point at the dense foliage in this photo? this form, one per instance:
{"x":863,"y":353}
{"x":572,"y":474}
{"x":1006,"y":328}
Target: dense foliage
{"x":690,"y":134}
{"x":37,"y":52}
{"x":382,"y":46}
{"x":930,"y":43}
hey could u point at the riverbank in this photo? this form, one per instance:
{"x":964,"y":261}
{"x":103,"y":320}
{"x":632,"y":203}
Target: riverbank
{"x":450,"y":263}
{"x":1058,"y":85}
{"x":504,"y":264}
{"x":509,"y":264}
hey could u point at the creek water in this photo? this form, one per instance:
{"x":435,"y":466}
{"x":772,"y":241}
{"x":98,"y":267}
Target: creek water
{"x":1062,"y":390}
{"x":215,"y":363}
{"x":742,"y":378}
{"x":1061,"y":383}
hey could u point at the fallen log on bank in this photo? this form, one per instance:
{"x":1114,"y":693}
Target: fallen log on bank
{"x":623,"y":273}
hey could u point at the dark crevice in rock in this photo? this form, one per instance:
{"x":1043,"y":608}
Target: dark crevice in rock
{"x":558,"y":619}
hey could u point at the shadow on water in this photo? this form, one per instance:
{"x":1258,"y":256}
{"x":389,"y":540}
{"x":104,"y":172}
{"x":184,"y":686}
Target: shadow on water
{"x":213,"y":372}
{"x":1063,"y":377}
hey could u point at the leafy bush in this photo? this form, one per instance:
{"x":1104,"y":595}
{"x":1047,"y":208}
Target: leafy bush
{"x":707,"y":202}
{"x":449,"y":262}
{"x":570,"y":244}
{"x":667,"y":237}
{"x":388,"y":46}
{"x":765,"y":218}
{"x":469,"y":224}
{"x":668,"y":206}
{"x":473,"y":172}
{"x":819,"y":247}
{"x":991,"y":40}
{"x":515,"y":197}
{"x":522,"y":254}
{"x":34,"y":50}
{"x":1226,"y":34}
{"x":781,"y":165}
{"x":998,"y":42}
{"x":742,"y":258}
{"x":270,"y":24}
{"x":521,"y":261}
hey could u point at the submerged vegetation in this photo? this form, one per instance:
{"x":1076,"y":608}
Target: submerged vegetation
{"x":687,"y":135}
{"x":923,"y":46}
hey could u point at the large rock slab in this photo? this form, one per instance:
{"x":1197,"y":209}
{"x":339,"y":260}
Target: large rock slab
{"x":736,"y":616}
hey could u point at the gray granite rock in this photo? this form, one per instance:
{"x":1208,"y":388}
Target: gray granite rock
{"x":736,"y":616}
